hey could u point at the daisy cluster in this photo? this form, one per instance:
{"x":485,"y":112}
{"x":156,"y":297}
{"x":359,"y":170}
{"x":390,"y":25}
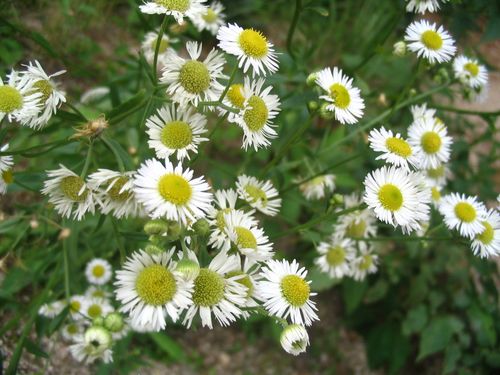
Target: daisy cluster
{"x":91,"y":324}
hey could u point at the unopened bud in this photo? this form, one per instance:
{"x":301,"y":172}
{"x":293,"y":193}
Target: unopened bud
{"x":313,"y":106}
{"x":156,"y":226}
{"x":399,"y":48}
{"x":311,"y":79}
{"x":188,"y":268}
{"x":201,"y":227}
{"x":64,"y":233}
{"x":114,"y":322}
{"x":99,"y":321}
{"x":324,"y":113}
{"x":153,"y":249}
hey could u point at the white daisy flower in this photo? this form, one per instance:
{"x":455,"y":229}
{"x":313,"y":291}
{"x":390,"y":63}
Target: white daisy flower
{"x":487,"y":243}
{"x":470,"y":72}
{"x":98,"y":271}
{"x":235,"y":98}
{"x":51,"y":309}
{"x":175,"y":8}
{"x":215,"y":293}
{"x":212,"y":19}
{"x":140,"y":328}
{"x":365,"y":263}
{"x":344,"y":100}
{"x":69,"y":193}
{"x":149,"y":289}
{"x":114,"y":192}
{"x":294,"y":339}
{"x":336,"y":256}
{"x":96,"y":308}
{"x":358,"y":224}
{"x":429,"y":41}
{"x":170,"y":192}
{"x":191,"y":80}
{"x":286,"y":293}
{"x":430,"y":141}
{"x":421,"y":111}
{"x":148,"y":47}
{"x":395,"y":149}
{"x":94,"y":94}
{"x":435,"y":196}
{"x":18,"y":101}
{"x":437,"y":177}
{"x":97,"y":292}
{"x":249,"y":272}
{"x":259,"y":108}
{"x":71,"y":331}
{"x":422,"y":6}
{"x":464,"y":213}
{"x":94,"y":344}
{"x":51,"y":96}
{"x":318,"y":187}
{"x":250,"y":47}
{"x":176,"y":131}
{"x":249,"y":239}
{"x":6,"y":164}
{"x":77,"y":304}
{"x":397,"y":197}
{"x":261,"y":195}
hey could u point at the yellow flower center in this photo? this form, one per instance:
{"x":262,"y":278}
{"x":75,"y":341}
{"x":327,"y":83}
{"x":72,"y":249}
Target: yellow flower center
{"x":465,"y":212}
{"x":114,"y":192}
{"x":245,"y":281}
{"x":472,"y":68}
{"x":208,"y":288}
{"x":98,"y":270}
{"x":432,"y":40}
{"x":245,"y":238}
{"x":390,"y":197}
{"x":72,"y":328}
{"x":253,"y":43}
{"x":256,"y":194}
{"x":176,"y":135}
{"x":94,"y":311}
{"x":435,"y":173}
{"x":10,"y":99}
{"x":430,"y":142}
{"x":194,"y":77}
{"x":435,"y":194}
{"x":235,"y":95}
{"x":354,"y":229}
{"x":75,"y":306}
{"x":174,"y":189}
{"x":98,"y":293}
{"x":295,"y":290}
{"x":175,"y":5}
{"x":487,"y":235}
{"x":163,"y":45}
{"x":210,"y":16}
{"x":155,"y":285}
{"x":219,"y":218}
{"x":256,"y":115}
{"x":335,"y":256}
{"x":366,"y":262}
{"x":8,"y":176}
{"x":398,"y":146}
{"x":71,"y":186}
{"x":43,"y":87}
{"x":340,"y":95}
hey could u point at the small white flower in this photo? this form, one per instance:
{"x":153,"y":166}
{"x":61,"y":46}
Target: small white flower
{"x":365,"y":263}
{"x":487,"y":243}
{"x":77,"y":304}
{"x":249,"y":239}
{"x":216,"y":293}
{"x":190,"y":80}
{"x":212,"y":19}
{"x":421,"y":111}
{"x":251,"y":48}
{"x":96,"y":308}
{"x":51,"y":309}
{"x":148,"y":47}
{"x":397,"y":197}
{"x":97,"y":292}
{"x":360,"y":223}
{"x":69,"y":193}
{"x":170,"y":192}
{"x":470,"y":72}
{"x":345,"y":100}
{"x":175,"y":8}
{"x":429,"y":41}
{"x":98,"y":271}
{"x":149,"y":289}
{"x":176,"y":131}
{"x":318,"y":187}
{"x":94,"y":344}
{"x":261,"y":195}
{"x":464,"y":213}
{"x":422,"y":6}
{"x":437,"y":177}
{"x":18,"y":101}
{"x":336,"y":256}
{"x":395,"y":149}
{"x":94,"y":94}
{"x":286,"y":293}
{"x":249,"y":273}
{"x":51,"y":96}
{"x":430,"y":141}
{"x":294,"y":339}
{"x":6,"y":164}
{"x":114,"y":192}
{"x":71,"y":331}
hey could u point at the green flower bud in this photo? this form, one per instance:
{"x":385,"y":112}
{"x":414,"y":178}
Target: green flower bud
{"x":201,"y":227}
{"x":99,"y":321}
{"x":313,"y":106}
{"x":153,"y":249}
{"x":325,"y":113}
{"x":188,"y":268}
{"x":399,"y":48}
{"x":114,"y":322}
{"x":311,"y":79}
{"x":157,"y":226}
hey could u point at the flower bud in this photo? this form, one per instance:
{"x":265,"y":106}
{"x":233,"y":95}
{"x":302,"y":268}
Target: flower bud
{"x":114,"y":322}
{"x":156,"y":226}
{"x":311,"y":79}
{"x":399,"y":48}
{"x":294,"y":339}
{"x":188,"y":268}
{"x":153,"y":249}
{"x":201,"y":227}
{"x":97,"y":339}
{"x":313,"y":106}
{"x":325,"y":113}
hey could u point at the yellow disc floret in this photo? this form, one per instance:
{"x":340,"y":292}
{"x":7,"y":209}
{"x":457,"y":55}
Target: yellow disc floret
{"x":194,"y":77}
{"x":295,"y":290}
{"x":71,"y":187}
{"x":98,"y":270}
{"x":175,"y":5}
{"x":256,"y":194}
{"x":432,"y":40}
{"x":390,"y":197}
{"x":340,"y":95}
{"x":366,"y":262}
{"x":235,"y":95}
{"x":243,"y":280}
{"x":114,"y":192}
{"x":487,"y":234}
{"x":43,"y":87}
{"x":245,"y":238}
{"x":10,"y":99}
{"x":176,"y":135}
{"x":208,"y":288}
{"x":430,"y":142}
{"x":210,"y":16}
{"x":472,"y":68}
{"x":174,"y":189}
{"x":253,"y":43}
{"x":335,"y":256}
{"x":155,"y":285}
{"x":94,"y":311}
{"x":465,"y":212}
{"x":398,"y":146}
{"x":256,"y":115}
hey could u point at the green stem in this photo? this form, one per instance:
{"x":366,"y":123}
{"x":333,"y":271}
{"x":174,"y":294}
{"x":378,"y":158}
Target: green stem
{"x":218,"y":104}
{"x":67,"y":292}
{"x":465,"y":111}
{"x":87,"y":160}
{"x":119,"y":160}
{"x":229,"y":83}
{"x":293,"y":27}
{"x":118,"y":242}
{"x":55,"y":144}
{"x":403,"y":238}
{"x":157,"y":47}
{"x":77,"y":111}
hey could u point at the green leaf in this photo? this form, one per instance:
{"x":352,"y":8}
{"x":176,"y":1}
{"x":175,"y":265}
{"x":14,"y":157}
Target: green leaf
{"x":169,"y":346}
{"x":386,"y":345}
{"x":482,"y":325}
{"x":57,"y":321}
{"x":437,"y":335}
{"x":353,"y":293}
{"x":415,"y":321}
{"x":35,"y":349}
{"x":321,"y":281}
{"x":125,"y":109}
{"x":451,"y":357}
{"x":377,"y":291}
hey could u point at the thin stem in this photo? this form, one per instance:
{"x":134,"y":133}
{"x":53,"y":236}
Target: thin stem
{"x":218,"y":104}
{"x":465,"y":111}
{"x":67,"y":292}
{"x":229,"y":83}
{"x":77,"y":111}
{"x":53,"y":145}
{"x":87,"y":160}
{"x":157,"y":47}
{"x":293,"y":27}
{"x":118,"y":242}
{"x":119,"y":160}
